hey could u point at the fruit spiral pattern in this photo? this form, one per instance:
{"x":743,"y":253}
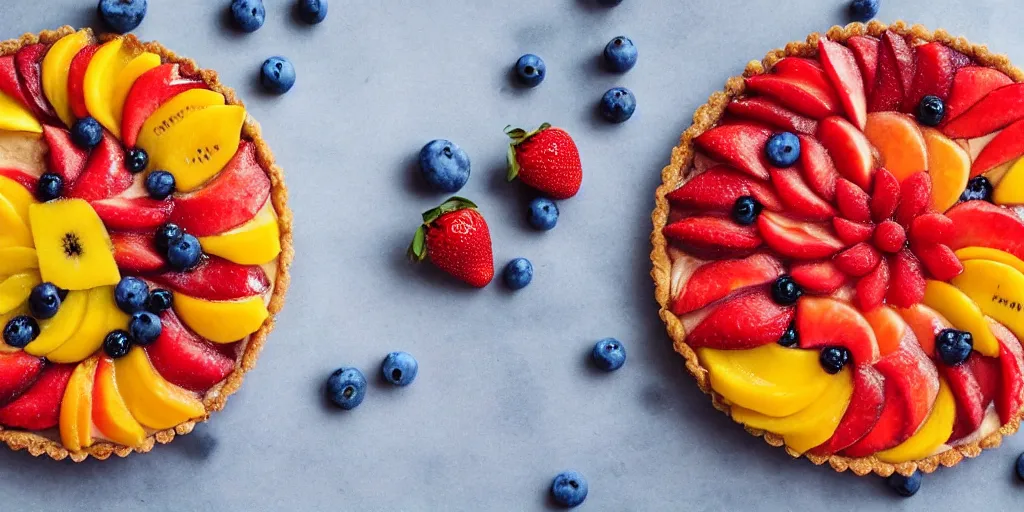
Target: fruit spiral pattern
{"x":64,"y":393}
{"x":839,"y":248}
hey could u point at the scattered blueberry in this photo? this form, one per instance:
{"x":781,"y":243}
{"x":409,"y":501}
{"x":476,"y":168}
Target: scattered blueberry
{"x":136,"y":160}
{"x":979,"y":188}
{"x":346,"y":388}
{"x":130,"y":294}
{"x":953,"y":346}
{"x":444,"y":165}
{"x":117,"y":343}
{"x":569,"y":489}
{"x":159,"y":300}
{"x":745,"y":210}
{"x":20,"y":331}
{"x":400,"y":368}
{"x":248,"y":14}
{"x":160,"y":184}
{"x":833,"y":359}
{"x":785,"y":291}
{"x":864,"y":10}
{"x":518,"y":273}
{"x":44,"y":301}
{"x":620,"y":54}
{"x":145,"y":327}
{"x":609,"y":354}
{"x":931,"y":110}
{"x":86,"y":133}
{"x":49,"y":187}
{"x":122,"y":16}
{"x":277,"y":75}
{"x":543,"y":214}
{"x":783,"y":149}
{"x":905,"y":486}
{"x":312,"y":11}
{"x":531,"y":70}
{"x":618,"y":104}
{"x":790,"y":338}
{"x":184,"y":254}
{"x":1020,"y":466}
{"x":167,"y":235}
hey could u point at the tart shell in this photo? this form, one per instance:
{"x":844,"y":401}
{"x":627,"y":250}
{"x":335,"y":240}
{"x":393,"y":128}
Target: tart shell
{"x":676,"y":173}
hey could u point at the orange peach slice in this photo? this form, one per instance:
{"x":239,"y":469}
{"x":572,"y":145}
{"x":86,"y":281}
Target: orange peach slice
{"x":987,"y":253}
{"x":1010,"y":189}
{"x":932,"y":434}
{"x":949,"y":166}
{"x":957,"y":307}
{"x":76,"y":407}
{"x":109,"y":412}
{"x":998,"y":290}
{"x":152,"y":400}
{"x":899,"y":142}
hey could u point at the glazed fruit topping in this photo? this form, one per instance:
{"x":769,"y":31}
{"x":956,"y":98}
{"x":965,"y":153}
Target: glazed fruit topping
{"x":953,"y":346}
{"x":833,"y":359}
{"x":785,"y":291}
{"x":745,"y":210}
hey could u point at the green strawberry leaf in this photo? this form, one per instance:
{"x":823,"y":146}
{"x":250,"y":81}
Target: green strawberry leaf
{"x":513,"y":165}
{"x":418,"y":247}
{"x":452,"y":204}
{"x":519,"y":135}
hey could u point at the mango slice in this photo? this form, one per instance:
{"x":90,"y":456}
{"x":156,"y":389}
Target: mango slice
{"x":18,"y":195}
{"x":55,"y":331}
{"x":987,"y":253}
{"x":254,"y":243}
{"x":14,"y":290}
{"x":197,"y":147}
{"x":963,"y":313}
{"x":949,"y":166}
{"x":153,"y":401}
{"x":1010,"y":190}
{"x":101,"y":316}
{"x":998,"y":289}
{"x":15,"y":117}
{"x":173,"y":111}
{"x":206,"y":317}
{"x":125,"y":80}
{"x":17,"y":259}
{"x":101,"y":79}
{"x":76,"y":407}
{"x":109,"y":412}
{"x":770,"y":379}
{"x":13,"y":231}
{"x":932,"y":434}
{"x":74,"y":249}
{"x":55,"y":69}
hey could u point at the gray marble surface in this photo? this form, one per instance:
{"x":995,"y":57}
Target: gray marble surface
{"x":504,"y":399}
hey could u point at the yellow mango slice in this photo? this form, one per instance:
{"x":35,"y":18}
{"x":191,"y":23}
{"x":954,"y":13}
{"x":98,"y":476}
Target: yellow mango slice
{"x":987,"y":253}
{"x":101,"y":316}
{"x":76,"y":407}
{"x":173,"y":112}
{"x":55,"y":331}
{"x":949,"y":166}
{"x":13,"y":231}
{"x":152,"y":400}
{"x":254,"y":243}
{"x":963,"y":313}
{"x":1010,"y":190}
{"x":14,"y":290}
{"x":55,"y":68}
{"x":931,"y":435}
{"x":998,"y":289}
{"x":221,"y":321}
{"x":198,"y":146}
{"x":74,"y":249}
{"x":109,"y":412}
{"x":125,"y":80}
{"x":770,"y":379}
{"x":15,"y":117}
{"x":18,"y":195}
{"x":101,"y":79}
{"x":17,"y":259}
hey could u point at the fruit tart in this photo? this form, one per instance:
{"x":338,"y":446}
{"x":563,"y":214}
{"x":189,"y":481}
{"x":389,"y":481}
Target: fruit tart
{"x":839,"y":248}
{"x":145,"y":241}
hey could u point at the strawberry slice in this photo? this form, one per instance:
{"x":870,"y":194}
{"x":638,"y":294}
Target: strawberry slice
{"x":996,"y":110}
{"x":9,"y":83}
{"x":105,"y":174}
{"x":858,"y":260}
{"x":65,"y":158}
{"x":824,"y":322}
{"x":822,"y":277}
{"x":18,"y":371}
{"x":970,"y":85}
{"x":851,"y":232}
{"x":1010,"y":397}
{"x":217,"y":279}
{"x":852,"y":201}
{"x":970,"y":403}
{"x":931,"y":228}
{"x":798,"y":197}
{"x":739,"y":145}
{"x":907,"y":284}
{"x":841,"y":67}
{"x":748,"y":320}
{"x":718,"y":188}
{"x":152,"y":89}
{"x":871,"y":289}
{"x":865,"y":51}
{"x":801,"y":94}
{"x":939,"y":260}
{"x":713,"y":235}
{"x":849,"y":148}
{"x":185,"y":359}
{"x":885,"y":197}
{"x":895,"y":73}
{"x":135,"y":252}
{"x":1006,"y":147}
{"x":718,"y":279}
{"x":983,"y":224}
{"x":76,"y":80}
{"x":772,"y":114}
{"x":20,"y":177}
{"x":135,"y":214}
{"x":29,"y":73}
{"x":915,"y":197}
{"x":889,"y":237}
{"x":861,"y":415}
{"x":817,"y":167}
{"x":795,"y":239}
{"x":937,"y":64}
{"x":39,"y":407}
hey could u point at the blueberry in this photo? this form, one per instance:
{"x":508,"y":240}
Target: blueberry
{"x":248,"y":14}
{"x":785,"y":291}
{"x":160,"y":184}
{"x":346,"y":388}
{"x":979,"y":188}
{"x":905,"y":486}
{"x":159,"y":300}
{"x":136,"y":160}
{"x":122,"y":16}
{"x":609,"y":354}
{"x":618,"y":104}
{"x":953,"y":346}
{"x":543,"y":214}
{"x":277,"y":75}
{"x":117,"y":343}
{"x":620,"y":54}
{"x":931,"y":110}
{"x":1020,"y":466}
{"x":312,"y":11}
{"x":790,"y":338}
{"x":145,"y":327}
{"x":569,"y":489}
{"x":44,"y":301}
{"x":86,"y":133}
{"x":833,"y":359}
{"x":518,"y":273}
{"x":166,"y":235}
{"x":184,"y":254}
{"x":745,"y":210}
{"x":49,"y":187}
{"x":531,"y":70}
{"x":864,"y":10}
{"x":783,"y":149}
{"x":130,"y":294}
{"x":20,"y":331}
{"x":444,"y":165}
{"x":400,"y":368}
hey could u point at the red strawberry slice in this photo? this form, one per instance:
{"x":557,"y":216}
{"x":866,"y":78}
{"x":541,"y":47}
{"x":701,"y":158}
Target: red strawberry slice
{"x":718,"y":188}
{"x":22,"y":178}
{"x":895,"y":73}
{"x":717,"y":279}
{"x":970,"y":85}
{"x":851,"y":232}
{"x":1006,"y":147}
{"x":1010,"y":397}
{"x":217,"y":279}
{"x":871,"y":289}
{"x":817,"y":167}
{"x":546,"y":160}
{"x":907,"y":282}
{"x":996,"y":110}
{"x":27,"y":63}
{"x":9,"y":83}
{"x":771,"y":113}
{"x":798,"y":197}
{"x":849,"y":148}
{"x":985,"y":371}
{"x":940,"y":261}
{"x":861,"y":415}
{"x":713,"y":235}
{"x":152,"y":89}
{"x":748,"y":320}
{"x":801,"y":94}
{"x":458,"y":241}
{"x":18,"y":371}
{"x":135,"y":214}
{"x":795,"y":239}
{"x":824,"y":322}
{"x":76,"y":80}
{"x":185,"y":359}
{"x":865,"y":50}
{"x":135,"y":252}
{"x":937,"y":64}
{"x":853,"y":202}
{"x":739,"y":145}
{"x":822,"y":277}
{"x":841,"y":67}
{"x":885,"y":197}
{"x":105,"y":174}
{"x":805,"y":70}
{"x":858,"y":260}
{"x":39,"y":407}
{"x":915,"y":197}
{"x":889,"y":237}
{"x":970,"y":404}
{"x":983,"y":224}
{"x":65,"y":158}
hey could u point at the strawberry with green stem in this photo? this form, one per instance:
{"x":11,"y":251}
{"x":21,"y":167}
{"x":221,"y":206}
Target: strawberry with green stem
{"x":456,"y":238}
{"x":545,"y":159}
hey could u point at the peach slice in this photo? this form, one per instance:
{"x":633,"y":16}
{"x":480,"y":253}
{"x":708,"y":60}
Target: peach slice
{"x":926,"y":324}
{"x":899,"y":142}
{"x":109,"y":412}
{"x":101,"y":316}
{"x":126,"y":78}
{"x":76,"y":407}
{"x":206,"y":317}
{"x":862,"y":413}
{"x":1005,"y":148}
{"x":824,"y":322}
{"x":932,"y":434}
{"x":983,"y":224}
{"x":152,"y":89}
{"x":986,"y":253}
{"x":18,"y":195}
{"x":963,"y":313}
{"x":152,"y":400}
{"x":949,"y":167}
{"x":850,"y":150}
{"x":59,"y":329}
{"x":198,"y":146}
{"x":14,"y":290}
{"x":55,"y":69}
{"x":1010,"y":189}
{"x":14,"y":232}
{"x":101,"y":78}
{"x":254,"y":243}
{"x":998,"y":290}
{"x":14,"y":260}
{"x":16,"y":118}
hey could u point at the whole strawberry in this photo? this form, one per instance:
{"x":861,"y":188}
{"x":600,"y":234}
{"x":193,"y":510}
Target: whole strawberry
{"x":545,"y":159}
{"x":456,"y":238}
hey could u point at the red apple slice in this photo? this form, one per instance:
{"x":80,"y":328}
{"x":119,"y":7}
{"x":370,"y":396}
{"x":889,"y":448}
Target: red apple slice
{"x":795,"y":239}
{"x":9,"y":83}
{"x":970,"y":85}
{"x":29,"y":73}
{"x":718,"y":279}
{"x":996,"y":110}
{"x":748,"y":320}
{"x":818,"y":168}
{"x":824,"y":322}
{"x":185,"y":359}
{"x":983,"y":224}
{"x":817,"y":276}
{"x":841,"y":67}
{"x":907,"y":280}
{"x":895,"y":73}
{"x":18,"y":371}
{"x":1010,"y":396}
{"x":861,"y":415}
{"x":851,"y":232}
{"x":217,"y":279}
{"x":772,"y":114}
{"x":871,"y":289}
{"x":709,"y":236}
{"x":849,"y":148}
{"x":937,"y":64}
{"x":39,"y":407}
{"x":135,"y":214}
{"x":76,"y":80}
{"x":739,"y":145}
{"x":135,"y":252}
{"x":152,"y":89}
{"x":865,"y":50}
{"x":858,"y":260}
{"x":105,"y":174}
{"x":853,"y":202}
{"x":65,"y":158}
{"x":885,"y":197}
{"x":801,"y":201}
{"x":717,"y":189}
{"x":1006,"y":147}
